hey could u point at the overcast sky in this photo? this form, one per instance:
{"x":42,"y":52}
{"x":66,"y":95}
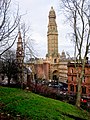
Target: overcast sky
{"x":36,"y":17}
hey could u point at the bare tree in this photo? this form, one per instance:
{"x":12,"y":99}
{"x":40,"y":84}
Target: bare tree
{"x":8,"y":25}
{"x":27,"y":42}
{"x":78,"y":15}
{"x":9,"y":54}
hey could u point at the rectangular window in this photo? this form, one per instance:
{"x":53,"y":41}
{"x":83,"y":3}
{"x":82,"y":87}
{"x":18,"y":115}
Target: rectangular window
{"x":71,"y":78}
{"x":72,"y":88}
{"x":76,"y":88}
{"x":83,"y":90}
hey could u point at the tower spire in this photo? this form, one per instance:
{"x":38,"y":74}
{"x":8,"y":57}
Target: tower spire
{"x":19,"y":34}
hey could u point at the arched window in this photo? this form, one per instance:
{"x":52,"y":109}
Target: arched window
{"x":55,"y":60}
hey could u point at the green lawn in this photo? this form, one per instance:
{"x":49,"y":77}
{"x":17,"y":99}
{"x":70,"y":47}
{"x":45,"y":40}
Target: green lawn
{"x":31,"y":106}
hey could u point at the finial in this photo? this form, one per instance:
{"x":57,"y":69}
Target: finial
{"x":51,"y":7}
{"x":19,"y":28}
{"x":19,"y":33}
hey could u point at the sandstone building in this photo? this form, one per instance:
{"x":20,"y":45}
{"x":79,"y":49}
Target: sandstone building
{"x":54,"y":67}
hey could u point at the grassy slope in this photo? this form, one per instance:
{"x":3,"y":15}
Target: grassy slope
{"x":35,"y":107}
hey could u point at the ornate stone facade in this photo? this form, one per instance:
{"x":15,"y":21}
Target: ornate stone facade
{"x":54,"y":67}
{"x":52,"y":35}
{"x":58,"y":64}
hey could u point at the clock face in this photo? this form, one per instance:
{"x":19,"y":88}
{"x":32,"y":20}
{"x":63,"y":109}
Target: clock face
{"x":20,"y":52}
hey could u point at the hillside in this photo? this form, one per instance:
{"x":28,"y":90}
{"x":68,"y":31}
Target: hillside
{"x":29,"y":106}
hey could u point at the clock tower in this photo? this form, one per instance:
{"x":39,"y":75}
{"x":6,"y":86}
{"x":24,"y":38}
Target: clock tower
{"x":19,"y":52}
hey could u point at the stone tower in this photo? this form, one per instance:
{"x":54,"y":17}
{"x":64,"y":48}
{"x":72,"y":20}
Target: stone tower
{"x":20,"y":59}
{"x":52,"y":37}
{"x":19,"y":52}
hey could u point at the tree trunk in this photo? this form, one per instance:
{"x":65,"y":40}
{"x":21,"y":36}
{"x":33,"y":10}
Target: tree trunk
{"x":79,"y":93}
{"x":78,"y":102}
